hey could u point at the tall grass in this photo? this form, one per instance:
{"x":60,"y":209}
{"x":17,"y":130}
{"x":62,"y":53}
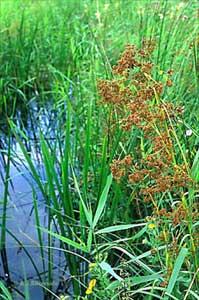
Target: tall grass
{"x":54,"y":51}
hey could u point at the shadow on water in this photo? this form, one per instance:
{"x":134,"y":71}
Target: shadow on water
{"x":21,"y":262}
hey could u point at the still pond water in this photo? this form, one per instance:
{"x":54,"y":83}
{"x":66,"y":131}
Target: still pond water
{"x":25,"y":266}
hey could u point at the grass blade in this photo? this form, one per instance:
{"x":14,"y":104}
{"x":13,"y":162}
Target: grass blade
{"x":7,"y":295}
{"x":102,"y":201}
{"x":118,"y":228}
{"x":195,"y":168}
{"x":106,"y":267}
{"x":67,"y":240}
{"x":176,"y":270}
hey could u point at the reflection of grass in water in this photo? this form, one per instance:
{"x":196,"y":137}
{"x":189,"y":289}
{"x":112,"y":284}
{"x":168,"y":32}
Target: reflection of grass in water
{"x":4,"y":216}
{"x":49,"y":47}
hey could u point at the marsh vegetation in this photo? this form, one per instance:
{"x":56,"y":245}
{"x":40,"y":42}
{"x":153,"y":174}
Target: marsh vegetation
{"x":99,"y":150}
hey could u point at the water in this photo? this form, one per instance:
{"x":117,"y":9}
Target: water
{"x":22,"y":244}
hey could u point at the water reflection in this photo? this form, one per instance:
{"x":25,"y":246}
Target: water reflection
{"x":22,"y":243}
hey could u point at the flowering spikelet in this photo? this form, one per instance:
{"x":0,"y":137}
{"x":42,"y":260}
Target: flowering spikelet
{"x":137,"y":95}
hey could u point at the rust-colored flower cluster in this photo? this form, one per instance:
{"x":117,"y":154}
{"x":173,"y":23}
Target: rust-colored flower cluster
{"x":180,"y":218}
{"x":119,"y":167}
{"x":156,"y":168}
{"x":179,"y":215}
{"x":138,"y":96}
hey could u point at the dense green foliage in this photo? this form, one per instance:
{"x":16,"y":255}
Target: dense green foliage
{"x":53,"y":53}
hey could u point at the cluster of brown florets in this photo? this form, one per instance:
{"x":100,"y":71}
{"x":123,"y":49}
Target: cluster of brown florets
{"x":180,"y":218}
{"x":137,"y":94}
{"x":178,"y":215}
{"x":119,"y":167}
{"x":156,"y":168}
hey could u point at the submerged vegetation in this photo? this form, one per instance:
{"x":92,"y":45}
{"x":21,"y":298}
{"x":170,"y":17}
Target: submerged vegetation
{"x":109,"y":148}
